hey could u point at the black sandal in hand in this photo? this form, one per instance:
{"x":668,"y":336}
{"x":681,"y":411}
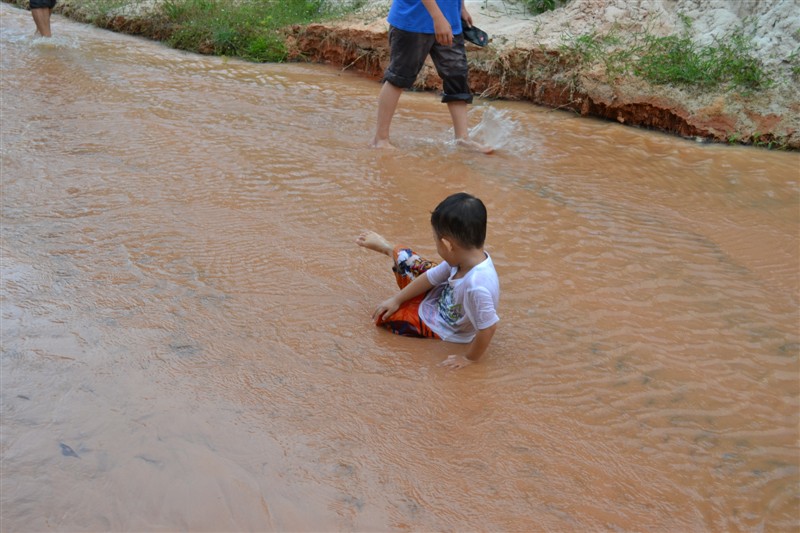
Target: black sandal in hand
{"x":474,"y":34}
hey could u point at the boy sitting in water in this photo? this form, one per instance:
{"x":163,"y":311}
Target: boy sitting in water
{"x":455,"y":300}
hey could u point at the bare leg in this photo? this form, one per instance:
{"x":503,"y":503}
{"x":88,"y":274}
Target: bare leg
{"x":458,"y":112}
{"x":387,"y":104}
{"x":41,"y":17}
{"x":373,"y":241}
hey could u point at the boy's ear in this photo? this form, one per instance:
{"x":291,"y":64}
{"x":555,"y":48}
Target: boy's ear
{"x":448,"y":244}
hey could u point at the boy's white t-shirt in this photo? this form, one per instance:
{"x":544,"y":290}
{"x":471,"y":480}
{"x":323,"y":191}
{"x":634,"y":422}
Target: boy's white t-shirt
{"x":455,"y":309}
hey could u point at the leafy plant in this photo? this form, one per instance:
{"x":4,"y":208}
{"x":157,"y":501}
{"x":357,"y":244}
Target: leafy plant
{"x":540,"y":6}
{"x":250,"y":29}
{"x":794,"y":64}
{"x":672,"y":59}
{"x":679,"y":60}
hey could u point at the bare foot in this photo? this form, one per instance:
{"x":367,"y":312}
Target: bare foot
{"x":373,"y":241}
{"x":475,"y":146}
{"x":382,"y":144}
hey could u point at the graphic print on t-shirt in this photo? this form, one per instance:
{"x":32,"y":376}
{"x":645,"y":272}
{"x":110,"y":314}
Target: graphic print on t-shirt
{"x":449,"y":311}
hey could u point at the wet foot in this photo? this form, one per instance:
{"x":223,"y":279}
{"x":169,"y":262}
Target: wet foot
{"x":373,"y":241}
{"x":475,"y":146}
{"x":383,"y":144}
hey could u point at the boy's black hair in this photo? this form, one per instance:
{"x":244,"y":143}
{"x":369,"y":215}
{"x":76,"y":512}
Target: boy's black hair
{"x":462,"y":217}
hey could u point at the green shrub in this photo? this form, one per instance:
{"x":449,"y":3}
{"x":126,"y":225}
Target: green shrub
{"x":540,"y":6}
{"x":674,"y":59}
{"x":250,"y":29}
{"x":678,"y":60}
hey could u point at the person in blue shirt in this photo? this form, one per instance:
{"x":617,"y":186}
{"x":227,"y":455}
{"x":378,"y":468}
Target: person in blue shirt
{"x":418,"y":28}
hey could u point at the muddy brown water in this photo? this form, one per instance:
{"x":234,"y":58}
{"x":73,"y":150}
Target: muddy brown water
{"x":186,"y":342}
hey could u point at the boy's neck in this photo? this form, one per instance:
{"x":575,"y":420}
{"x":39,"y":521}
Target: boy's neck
{"x":468,"y":259}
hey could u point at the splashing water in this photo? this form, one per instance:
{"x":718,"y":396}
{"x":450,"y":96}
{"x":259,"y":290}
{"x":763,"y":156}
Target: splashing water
{"x":495,"y":128}
{"x":40,"y":43}
{"x":54,"y":42}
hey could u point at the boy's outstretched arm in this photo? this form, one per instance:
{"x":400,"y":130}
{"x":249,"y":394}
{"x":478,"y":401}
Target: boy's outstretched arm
{"x":390,"y":305}
{"x":475,"y":351}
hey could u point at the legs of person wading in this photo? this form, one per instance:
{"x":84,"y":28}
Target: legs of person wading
{"x":408,"y":51}
{"x":41,"y":11}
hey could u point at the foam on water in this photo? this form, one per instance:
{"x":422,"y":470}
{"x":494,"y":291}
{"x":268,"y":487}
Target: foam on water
{"x":34,"y":41}
{"x":56,"y":41}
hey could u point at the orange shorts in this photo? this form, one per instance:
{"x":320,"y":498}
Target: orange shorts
{"x":406,"y":321}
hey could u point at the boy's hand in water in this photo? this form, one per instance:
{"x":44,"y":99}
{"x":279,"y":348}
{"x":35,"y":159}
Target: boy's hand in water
{"x":476,"y":349}
{"x":456,"y":361}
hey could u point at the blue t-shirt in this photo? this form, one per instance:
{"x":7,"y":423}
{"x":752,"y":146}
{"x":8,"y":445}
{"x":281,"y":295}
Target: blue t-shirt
{"x":411,"y":15}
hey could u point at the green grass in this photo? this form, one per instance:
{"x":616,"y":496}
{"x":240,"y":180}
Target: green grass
{"x":249,"y":29}
{"x":794,"y":59}
{"x":679,"y":61}
{"x":96,"y":11}
{"x":729,"y":63}
{"x":615,"y":54}
{"x":540,"y":6}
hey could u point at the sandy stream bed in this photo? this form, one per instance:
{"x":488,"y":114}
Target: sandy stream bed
{"x":523,"y":60}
